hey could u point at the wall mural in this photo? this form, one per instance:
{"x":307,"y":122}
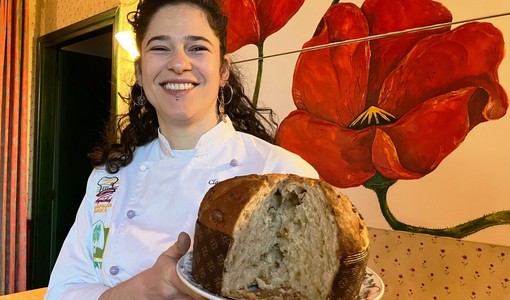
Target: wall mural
{"x":383,"y":92}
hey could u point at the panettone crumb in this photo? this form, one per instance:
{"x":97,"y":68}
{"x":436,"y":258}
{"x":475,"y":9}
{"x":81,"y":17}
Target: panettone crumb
{"x":280,"y":260}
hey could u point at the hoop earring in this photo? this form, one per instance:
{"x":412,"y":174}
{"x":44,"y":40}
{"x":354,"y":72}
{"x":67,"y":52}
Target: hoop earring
{"x":221,"y":100}
{"x":141,"y":100}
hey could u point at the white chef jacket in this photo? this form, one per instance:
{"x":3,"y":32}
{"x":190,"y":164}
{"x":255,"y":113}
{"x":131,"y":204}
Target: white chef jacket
{"x":127,"y":219}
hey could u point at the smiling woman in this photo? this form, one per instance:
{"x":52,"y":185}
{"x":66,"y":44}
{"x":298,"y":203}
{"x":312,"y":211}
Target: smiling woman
{"x":189,"y":126}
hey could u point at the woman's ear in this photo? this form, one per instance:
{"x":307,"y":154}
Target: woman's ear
{"x":138,"y":74}
{"x":225,"y":69}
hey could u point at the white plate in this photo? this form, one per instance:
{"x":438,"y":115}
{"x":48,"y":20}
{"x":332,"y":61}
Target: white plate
{"x":372,"y":287}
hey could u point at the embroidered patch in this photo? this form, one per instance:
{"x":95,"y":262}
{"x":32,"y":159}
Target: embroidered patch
{"x":99,"y":237}
{"x":106,"y":186}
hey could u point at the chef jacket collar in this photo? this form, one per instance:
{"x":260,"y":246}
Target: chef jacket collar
{"x":210,"y":140}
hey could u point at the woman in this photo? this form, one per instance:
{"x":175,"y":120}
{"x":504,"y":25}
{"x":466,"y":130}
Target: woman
{"x":189,"y":126}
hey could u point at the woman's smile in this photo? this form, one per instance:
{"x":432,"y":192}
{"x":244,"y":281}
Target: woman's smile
{"x":177,"y":87}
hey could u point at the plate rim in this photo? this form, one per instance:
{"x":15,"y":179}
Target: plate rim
{"x":201,"y":291}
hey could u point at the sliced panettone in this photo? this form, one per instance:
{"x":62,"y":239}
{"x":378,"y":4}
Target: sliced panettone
{"x":279,"y":236}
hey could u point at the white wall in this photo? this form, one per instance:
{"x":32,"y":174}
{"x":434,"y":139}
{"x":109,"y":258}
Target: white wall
{"x":472,"y":181}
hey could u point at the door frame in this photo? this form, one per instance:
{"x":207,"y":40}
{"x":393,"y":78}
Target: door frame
{"x":43,"y":250}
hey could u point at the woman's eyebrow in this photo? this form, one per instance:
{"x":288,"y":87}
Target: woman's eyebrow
{"x":158,"y":38}
{"x":198,"y":38}
{"x":188,"y":38}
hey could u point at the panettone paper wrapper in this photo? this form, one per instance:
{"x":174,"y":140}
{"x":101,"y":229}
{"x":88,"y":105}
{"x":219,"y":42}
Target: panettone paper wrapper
{"x":209,"y":250}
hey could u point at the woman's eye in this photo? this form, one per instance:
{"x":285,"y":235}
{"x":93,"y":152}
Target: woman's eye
{"x":158,"y":48}
{"x":197,"y":49}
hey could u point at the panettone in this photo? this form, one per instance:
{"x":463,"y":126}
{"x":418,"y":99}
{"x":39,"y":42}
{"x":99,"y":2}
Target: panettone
{"x":279,"y":236}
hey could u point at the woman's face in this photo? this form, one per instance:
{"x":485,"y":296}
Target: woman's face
{"x":180,"y":68}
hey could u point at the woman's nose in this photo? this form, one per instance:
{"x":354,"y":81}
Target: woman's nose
{"x":179,"y":61}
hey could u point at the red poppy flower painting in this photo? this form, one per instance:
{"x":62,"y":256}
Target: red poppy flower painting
{"x":393,"y":106}
{"x":372,"y":111}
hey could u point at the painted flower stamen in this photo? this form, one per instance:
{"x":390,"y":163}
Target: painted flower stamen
{"x":372,"y":116}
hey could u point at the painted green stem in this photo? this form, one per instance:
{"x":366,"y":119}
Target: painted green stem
{"x":256,"y":91}
{"x":380,"y":186}
{"x":335,"y":2}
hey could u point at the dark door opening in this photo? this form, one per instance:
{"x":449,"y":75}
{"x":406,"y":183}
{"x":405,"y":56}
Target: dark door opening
{"x":75,"y":101}
{"x":84,"y":109}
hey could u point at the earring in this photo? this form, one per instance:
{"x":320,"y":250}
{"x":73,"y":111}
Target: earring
{"x":221,"y":100}
{"x":141,"y":99}
{"x":221,"y":107}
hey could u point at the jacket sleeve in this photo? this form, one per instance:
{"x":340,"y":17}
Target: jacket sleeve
{"x":74,"y":275}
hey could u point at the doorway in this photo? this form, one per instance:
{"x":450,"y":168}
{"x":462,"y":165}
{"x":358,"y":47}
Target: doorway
{"x":75,"y":97}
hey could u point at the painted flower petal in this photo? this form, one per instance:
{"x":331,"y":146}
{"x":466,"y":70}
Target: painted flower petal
{"x":243,"y":23}
{"x":252,"y":21}
{"x":331,"y":83}
{"x":386,"y":16}
{"x":420,"y":140}
{"x":274,"y":14}
{"x":341,"y":156}
{"x":465,"y":57}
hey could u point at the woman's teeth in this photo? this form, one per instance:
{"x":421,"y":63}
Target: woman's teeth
{"x":177,"y":86}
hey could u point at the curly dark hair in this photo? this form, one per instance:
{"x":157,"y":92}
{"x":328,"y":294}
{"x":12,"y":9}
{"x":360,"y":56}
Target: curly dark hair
{"x":140,"y":124}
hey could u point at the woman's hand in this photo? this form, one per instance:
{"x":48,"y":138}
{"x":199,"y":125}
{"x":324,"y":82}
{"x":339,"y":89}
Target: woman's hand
{"x":159,"y":281}
{"x":165,"y":269}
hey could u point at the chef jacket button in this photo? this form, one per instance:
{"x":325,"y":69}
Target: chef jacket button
{"x":130,"y":214}
{"x":143,"y":168}
{"x":114,"y":270}
{"x":234,"y":163}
